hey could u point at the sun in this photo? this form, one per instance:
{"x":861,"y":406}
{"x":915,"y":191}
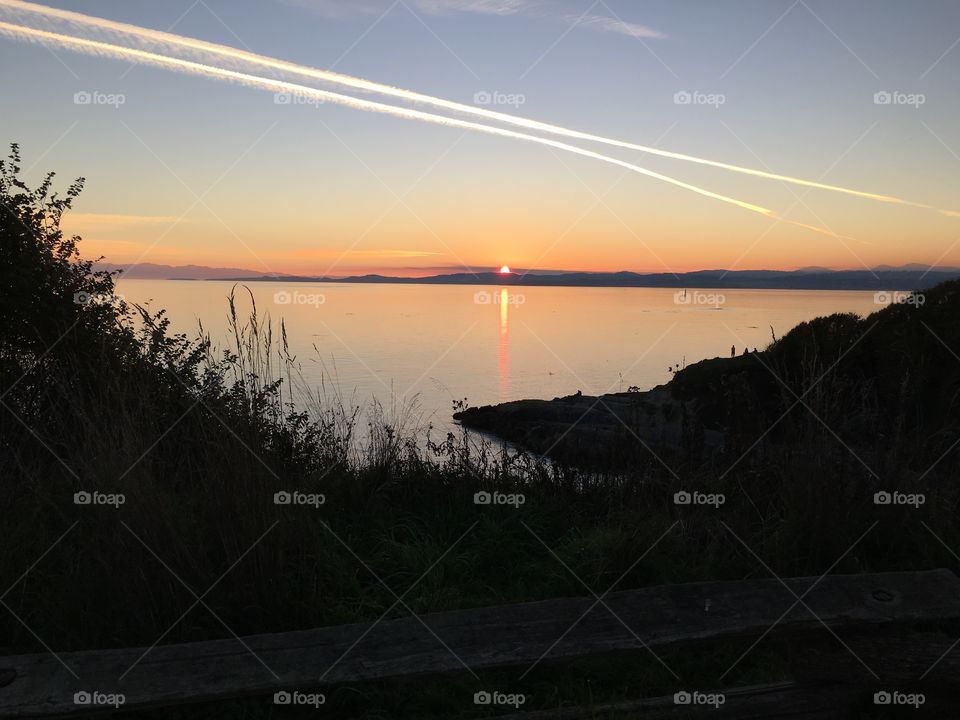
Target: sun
{"x":505,"y":270}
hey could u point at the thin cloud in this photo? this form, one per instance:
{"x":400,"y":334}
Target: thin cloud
{"x":602,"y":23}
{"x":115,"y":220}
{"x":386,"y":253}
{"x":128,"y":251}
{"x":530,"y":8}
{"x":348,"y":8}
{"x":483,"y":7}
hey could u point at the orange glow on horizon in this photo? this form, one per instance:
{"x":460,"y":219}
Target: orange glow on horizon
{"x":505,"y":269}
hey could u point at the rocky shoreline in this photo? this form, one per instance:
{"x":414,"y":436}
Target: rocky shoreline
{"x":608,"y":430}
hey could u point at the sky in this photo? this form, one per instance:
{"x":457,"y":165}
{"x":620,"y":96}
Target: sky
{"x":183,"y":169}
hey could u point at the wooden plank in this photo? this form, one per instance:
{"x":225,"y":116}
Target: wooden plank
{"x":514,"y":635}
{"x":813,"y":701}
{"x":918,"y":659}
{"x":826,"y":700}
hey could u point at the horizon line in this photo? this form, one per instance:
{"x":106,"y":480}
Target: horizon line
{"x":518,"y":273}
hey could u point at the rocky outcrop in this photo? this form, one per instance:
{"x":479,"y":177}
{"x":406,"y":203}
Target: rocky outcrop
{"x":590,"y":430}
{"x":886,"y":386}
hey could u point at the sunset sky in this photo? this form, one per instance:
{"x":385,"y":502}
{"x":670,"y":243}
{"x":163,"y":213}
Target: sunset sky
{"x":192,"y":170}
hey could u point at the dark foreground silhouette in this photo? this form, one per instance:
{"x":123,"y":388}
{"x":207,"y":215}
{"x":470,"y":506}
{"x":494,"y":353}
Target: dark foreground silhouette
{"x":146,"y":477}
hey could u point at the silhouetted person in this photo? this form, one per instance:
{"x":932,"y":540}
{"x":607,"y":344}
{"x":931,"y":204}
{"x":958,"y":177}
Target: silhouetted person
{"x":733,"y":351}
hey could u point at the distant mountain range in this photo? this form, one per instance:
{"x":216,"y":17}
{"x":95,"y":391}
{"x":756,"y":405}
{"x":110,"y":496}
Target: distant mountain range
{"x":885,"y":277}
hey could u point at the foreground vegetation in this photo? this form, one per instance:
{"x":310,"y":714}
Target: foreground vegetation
{"x":100,"y":396}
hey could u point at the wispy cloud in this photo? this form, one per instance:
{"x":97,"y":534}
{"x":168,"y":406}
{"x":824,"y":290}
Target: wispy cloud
{"x":603,"y":23}
{"x":540,"y":9}
{"x":112,"y":220}
{"x":380,"y":254}
{"x":483,"y":7}
{"x":347,"y":8}
{"x":129,"y":251}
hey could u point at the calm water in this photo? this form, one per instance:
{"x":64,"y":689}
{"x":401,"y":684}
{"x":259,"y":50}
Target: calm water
{"x":437,"y":344}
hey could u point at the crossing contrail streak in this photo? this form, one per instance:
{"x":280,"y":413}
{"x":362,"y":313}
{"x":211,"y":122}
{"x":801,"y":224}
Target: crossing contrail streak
{"x":103,"y":49}
{"x":204,"y":52}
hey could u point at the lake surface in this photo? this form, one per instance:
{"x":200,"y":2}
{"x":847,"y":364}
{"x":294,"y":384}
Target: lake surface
{"x":434,"y":344}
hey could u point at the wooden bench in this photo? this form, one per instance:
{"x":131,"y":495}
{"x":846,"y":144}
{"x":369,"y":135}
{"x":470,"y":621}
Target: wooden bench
{"x":882,"y":610}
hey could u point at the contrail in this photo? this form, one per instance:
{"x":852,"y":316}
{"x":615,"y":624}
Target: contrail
{"x":103,"y":49}
{"x":202,"y":51}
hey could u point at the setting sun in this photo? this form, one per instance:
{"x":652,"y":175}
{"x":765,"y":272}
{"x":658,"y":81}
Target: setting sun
{"x":505,"y":269}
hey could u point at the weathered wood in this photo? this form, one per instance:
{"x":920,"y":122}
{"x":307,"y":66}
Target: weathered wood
{"x":775,"y":701}
{"x":515,"y":635}
{"x":898,"y":655}
{"x":814,"y":701}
